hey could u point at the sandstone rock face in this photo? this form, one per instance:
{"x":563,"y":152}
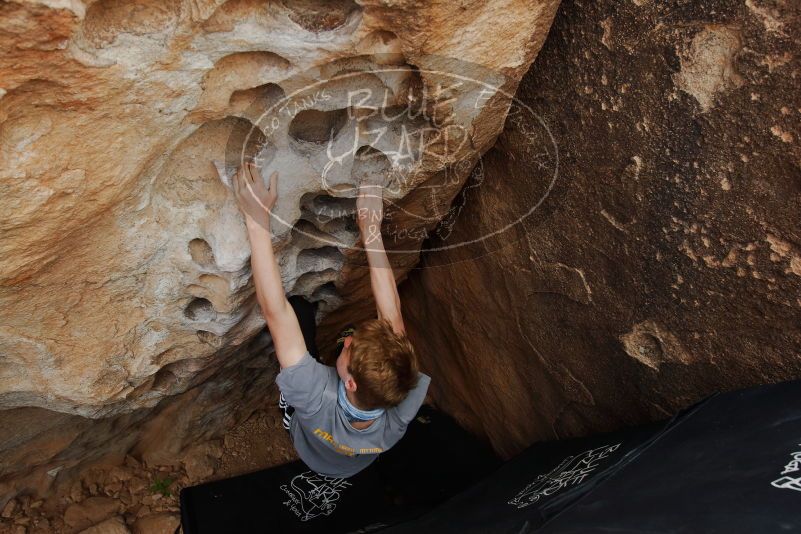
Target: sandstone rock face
{"x":129,"y":320}
{"x":662,"y":263}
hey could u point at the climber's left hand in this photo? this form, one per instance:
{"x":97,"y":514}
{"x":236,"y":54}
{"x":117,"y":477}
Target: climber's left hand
{"x":254,"y":199}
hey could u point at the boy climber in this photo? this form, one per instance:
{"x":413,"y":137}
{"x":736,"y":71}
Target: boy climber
{"x":340,"y":419}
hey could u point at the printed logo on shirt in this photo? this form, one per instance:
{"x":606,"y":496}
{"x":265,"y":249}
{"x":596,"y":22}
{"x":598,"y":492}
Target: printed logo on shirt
{"x":344,"y":449}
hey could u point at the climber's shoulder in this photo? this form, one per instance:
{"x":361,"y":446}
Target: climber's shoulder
{"x":408,"y":407}
{"x":307,"y":384}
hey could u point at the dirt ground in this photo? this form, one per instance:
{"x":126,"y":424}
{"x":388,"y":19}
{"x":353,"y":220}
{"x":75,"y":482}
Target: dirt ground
{"x":142,"y":499}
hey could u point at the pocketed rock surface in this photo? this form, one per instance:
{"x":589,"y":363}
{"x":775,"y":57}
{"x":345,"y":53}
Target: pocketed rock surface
{"x":129,"y":319}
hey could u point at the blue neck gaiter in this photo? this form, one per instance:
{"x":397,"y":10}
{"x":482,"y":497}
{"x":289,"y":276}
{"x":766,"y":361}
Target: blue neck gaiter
{"x":352,"y":413}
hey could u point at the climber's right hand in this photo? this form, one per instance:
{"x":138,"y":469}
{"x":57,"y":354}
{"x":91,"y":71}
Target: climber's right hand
{"x":255,"y":201}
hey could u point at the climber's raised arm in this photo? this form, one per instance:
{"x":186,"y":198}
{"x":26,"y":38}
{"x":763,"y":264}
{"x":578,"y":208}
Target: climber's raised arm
{"x":370,"y":214}
{"x":256,"y":201}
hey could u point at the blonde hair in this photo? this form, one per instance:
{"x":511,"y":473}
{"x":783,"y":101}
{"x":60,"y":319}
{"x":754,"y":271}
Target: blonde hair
{"x":383,"y":364}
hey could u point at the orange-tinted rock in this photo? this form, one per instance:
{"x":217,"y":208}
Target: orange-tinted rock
{"x":161,"y":523}
{"x":89,"y":512}
{"x":659,"y":267}
{"x":114,"y":525}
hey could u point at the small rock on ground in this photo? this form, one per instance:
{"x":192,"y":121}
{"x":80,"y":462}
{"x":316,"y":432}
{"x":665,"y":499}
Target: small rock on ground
{"x":113,"y":525}
{"x":162,"y":523}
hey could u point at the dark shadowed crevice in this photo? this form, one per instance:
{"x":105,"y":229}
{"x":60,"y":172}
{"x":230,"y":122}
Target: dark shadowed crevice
{"x":320,"y":15}
{"x":200,"y":309}
{"x":201,"y":252}
{"x":314,"y":126}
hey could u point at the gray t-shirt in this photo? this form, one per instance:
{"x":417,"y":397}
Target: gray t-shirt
{"x":322,"y":435}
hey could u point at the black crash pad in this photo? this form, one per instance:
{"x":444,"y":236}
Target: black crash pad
{"x":435,"y":460}
{"x":730,"y":464}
